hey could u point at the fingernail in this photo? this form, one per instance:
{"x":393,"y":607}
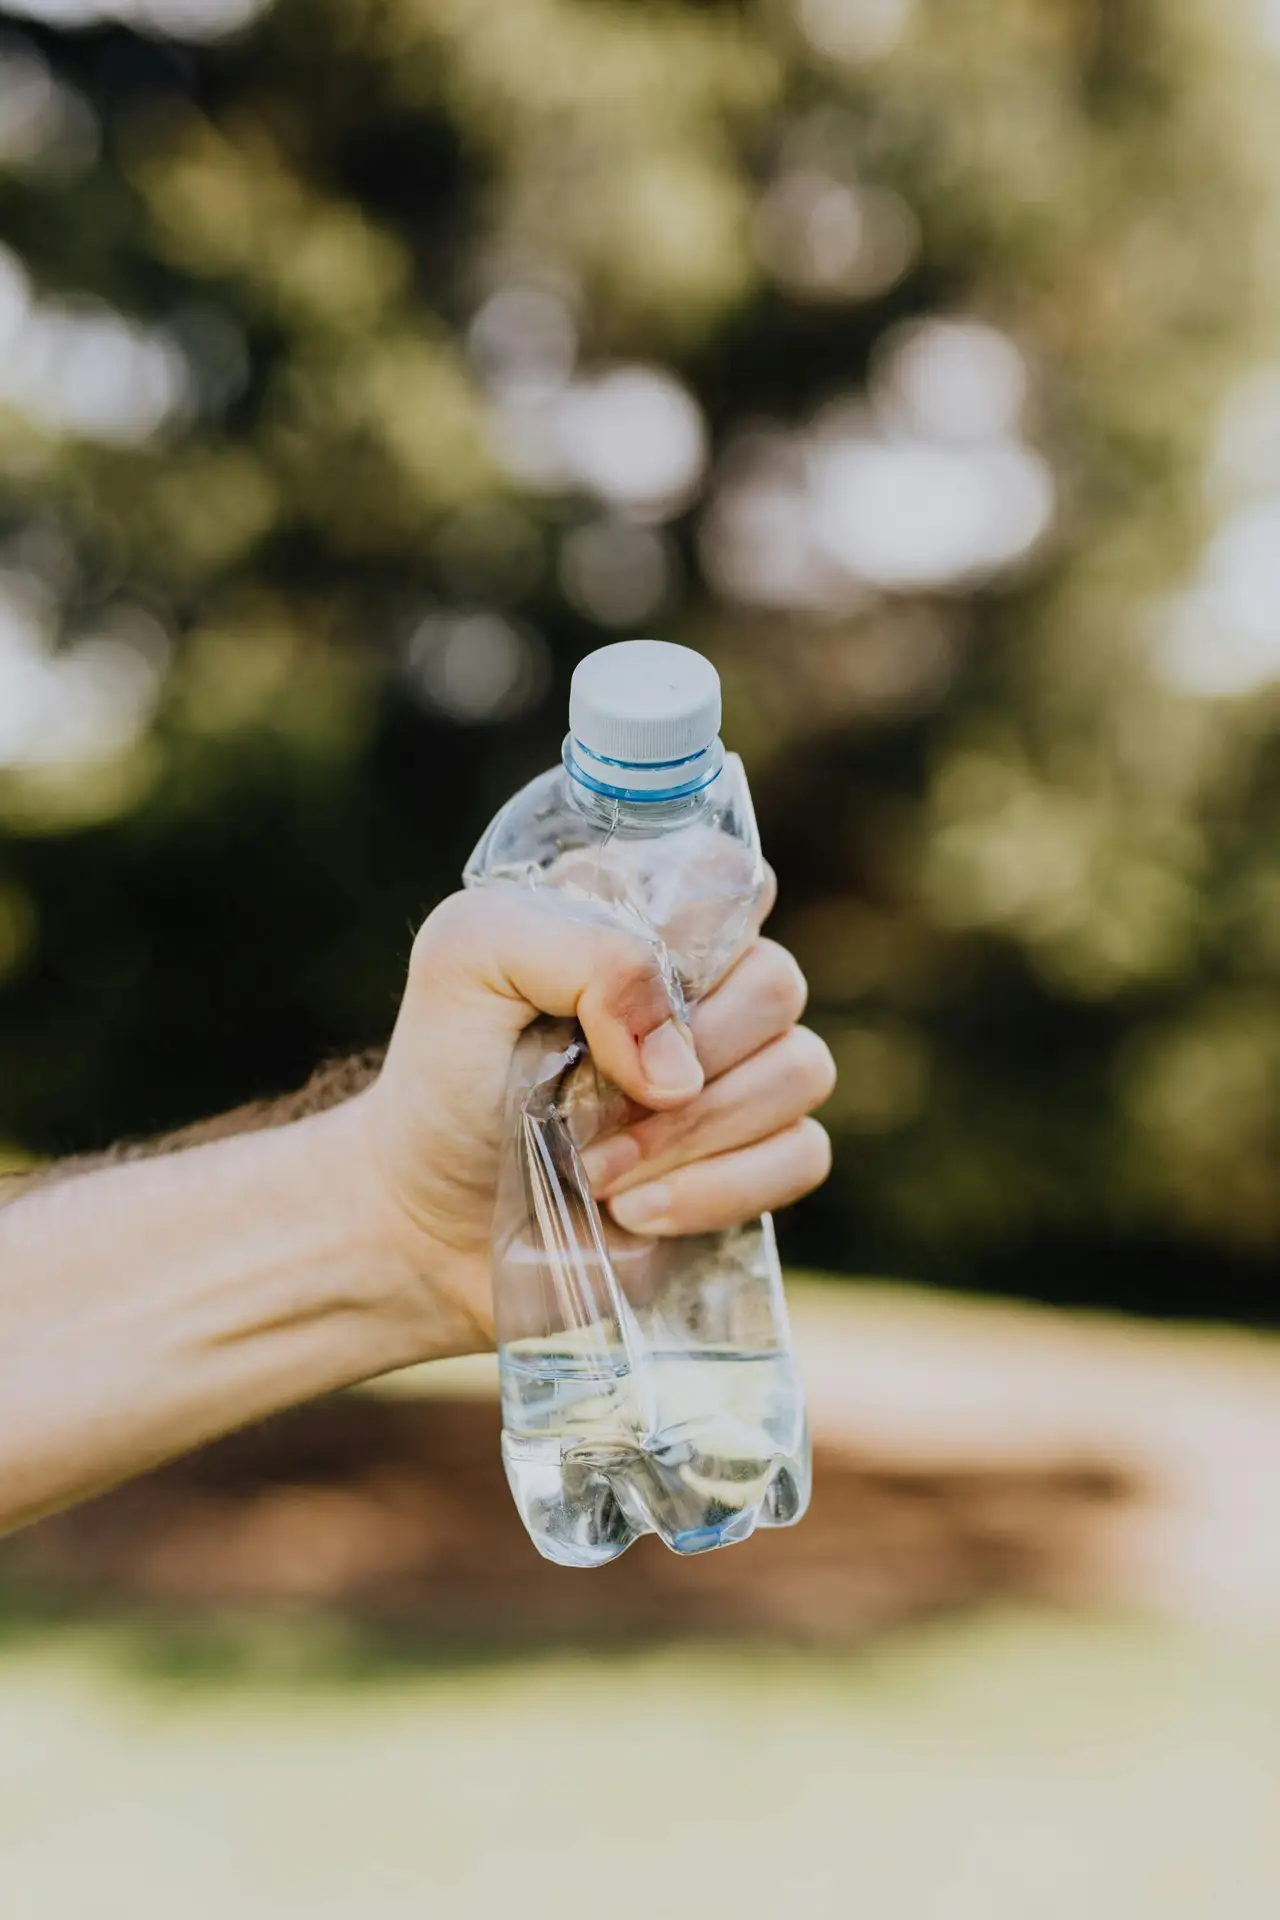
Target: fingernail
{"x":669,"y":1061}
{"x":609,"y":1160}
{"x":644,"y":1209}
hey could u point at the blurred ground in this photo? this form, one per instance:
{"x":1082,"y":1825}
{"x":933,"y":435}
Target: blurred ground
{"x":999,"y":1770}
{"x":1022,"y":1661}
{"x":1180,"y":1423}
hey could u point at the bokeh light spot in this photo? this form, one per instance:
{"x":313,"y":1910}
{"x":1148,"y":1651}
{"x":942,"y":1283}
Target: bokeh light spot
{"x":853,"y":32}
{"x":826,"y":239}
{"x":477,"y":667}
{"x":618,"y":574}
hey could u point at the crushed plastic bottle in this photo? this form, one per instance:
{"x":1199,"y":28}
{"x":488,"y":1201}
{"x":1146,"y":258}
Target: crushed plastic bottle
{"x":648,"y":1386}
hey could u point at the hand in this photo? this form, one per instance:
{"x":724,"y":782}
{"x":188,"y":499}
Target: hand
{"x":721,"y":1132}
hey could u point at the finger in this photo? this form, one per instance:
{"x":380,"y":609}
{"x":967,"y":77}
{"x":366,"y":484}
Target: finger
{"x":768,"y":897}
{"x":760,"y":1097}
{"x":758,"y":1002}
{"x":761,"y":908}
{"x":763,"y":997}
{"x":490,"y":952}
{"x":732,"y":1188}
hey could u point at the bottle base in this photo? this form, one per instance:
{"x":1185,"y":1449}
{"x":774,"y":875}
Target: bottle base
{"x":586,"y":1512}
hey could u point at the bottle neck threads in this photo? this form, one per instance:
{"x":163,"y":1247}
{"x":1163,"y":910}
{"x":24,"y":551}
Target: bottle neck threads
{"x":643,"y":783}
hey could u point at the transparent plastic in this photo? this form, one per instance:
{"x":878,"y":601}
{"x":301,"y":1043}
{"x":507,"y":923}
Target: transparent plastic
{"x":648,"y":1386}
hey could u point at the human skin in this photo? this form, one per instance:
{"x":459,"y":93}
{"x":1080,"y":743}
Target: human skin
{"x":150,"y":1306}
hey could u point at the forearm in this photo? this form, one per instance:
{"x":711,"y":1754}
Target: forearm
{"x":151,"y":1306}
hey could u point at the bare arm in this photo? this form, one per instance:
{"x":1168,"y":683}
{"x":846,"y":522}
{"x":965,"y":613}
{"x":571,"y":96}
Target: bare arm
{"x":149,"y":1305}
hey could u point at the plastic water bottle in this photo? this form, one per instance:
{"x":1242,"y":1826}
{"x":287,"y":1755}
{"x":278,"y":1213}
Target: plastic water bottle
{"x":648,"y":1386}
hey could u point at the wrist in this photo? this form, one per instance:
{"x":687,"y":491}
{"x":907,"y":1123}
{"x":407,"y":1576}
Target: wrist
{"x":406,"y":1291}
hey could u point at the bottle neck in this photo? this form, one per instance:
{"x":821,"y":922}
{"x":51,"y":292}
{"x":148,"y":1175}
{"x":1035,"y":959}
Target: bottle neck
{"x":638,"y":799}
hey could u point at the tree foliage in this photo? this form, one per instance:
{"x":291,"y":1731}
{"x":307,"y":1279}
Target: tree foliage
{"x":371,"y":362}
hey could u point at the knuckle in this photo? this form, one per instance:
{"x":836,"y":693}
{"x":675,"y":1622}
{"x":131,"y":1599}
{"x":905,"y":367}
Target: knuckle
{"x":783,"y":985}
{"x":816,"y":1067}
{"x":814,"y":1150}
{"x":631,"y":979}
{"x":441,"y":925}
{"x":768,"y":892}
{"x":461,"y":938}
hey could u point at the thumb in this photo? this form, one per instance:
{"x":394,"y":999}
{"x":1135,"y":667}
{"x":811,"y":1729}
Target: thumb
{"x":519,"y":957}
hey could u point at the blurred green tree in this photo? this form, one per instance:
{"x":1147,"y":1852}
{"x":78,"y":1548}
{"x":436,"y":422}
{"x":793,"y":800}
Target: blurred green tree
{"x":366,"y":362}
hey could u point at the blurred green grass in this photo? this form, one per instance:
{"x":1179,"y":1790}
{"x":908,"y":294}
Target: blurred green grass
{"x":1016,"y":1766}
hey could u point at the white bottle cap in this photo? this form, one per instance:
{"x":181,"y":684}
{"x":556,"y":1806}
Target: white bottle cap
{"x":644,"y":718}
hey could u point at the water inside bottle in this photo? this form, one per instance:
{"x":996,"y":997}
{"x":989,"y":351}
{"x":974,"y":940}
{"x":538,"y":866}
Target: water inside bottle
{"x":697,"y":1445}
